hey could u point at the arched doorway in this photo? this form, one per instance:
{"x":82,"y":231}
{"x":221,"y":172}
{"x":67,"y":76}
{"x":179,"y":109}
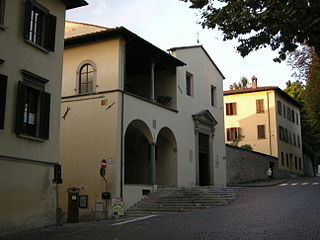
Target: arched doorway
{"x":166,"y":158}
{"x":137,"y":153}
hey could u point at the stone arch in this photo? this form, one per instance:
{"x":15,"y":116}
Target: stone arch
{"x":137,"y":142}
{"x":166,"y":158}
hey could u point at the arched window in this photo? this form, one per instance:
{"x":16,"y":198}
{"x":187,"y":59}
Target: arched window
{"x":86,"y":78}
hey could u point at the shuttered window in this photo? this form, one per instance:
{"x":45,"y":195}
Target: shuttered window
{"x":279,"y":108}
{"x":261,"y":131}
{"x":33,"y":110}
{"x":233,"y":133}
{"x":259,"y":106}
{"x":231,"y":108}
{"x":40,"y":25}
{"x":3,"y":96}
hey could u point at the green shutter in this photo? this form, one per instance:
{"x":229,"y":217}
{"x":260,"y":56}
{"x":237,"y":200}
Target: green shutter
{"x":20,"y":108}
{"x":44,"y":116}
{"x":27,"y":19}
{"x":3,"y":96}
{"x":50,"y":32}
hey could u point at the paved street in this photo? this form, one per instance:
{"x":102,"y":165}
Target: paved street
{"x":289,"y":210}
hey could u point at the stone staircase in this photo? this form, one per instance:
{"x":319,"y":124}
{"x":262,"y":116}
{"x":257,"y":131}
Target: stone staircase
{"x":182,"y":199}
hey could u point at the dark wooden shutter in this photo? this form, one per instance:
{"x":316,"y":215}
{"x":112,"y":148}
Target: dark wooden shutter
{"x":261,"y":131}
{"x":50,"y":37}
{"x":234,"y":108}
{"x":20,"y":108}
{"x":44,"y":116}
{"x":3,"y":97}
{"x":228,"y":134}
{"x":227,"y":109}
{"x":27,"y":19}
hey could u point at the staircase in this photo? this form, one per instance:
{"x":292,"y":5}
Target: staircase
{"x":182,"y":199}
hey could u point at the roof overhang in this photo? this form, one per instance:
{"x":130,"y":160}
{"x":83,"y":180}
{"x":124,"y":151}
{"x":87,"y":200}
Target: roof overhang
{"x":132,"y":40}
{"x":75,"y":3}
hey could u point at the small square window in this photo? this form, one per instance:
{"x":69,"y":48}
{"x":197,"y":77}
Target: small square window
{"x":279,"y":108}
{"x":189,"y":84}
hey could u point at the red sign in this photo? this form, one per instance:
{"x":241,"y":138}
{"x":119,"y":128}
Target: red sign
{"x":104,"y":163}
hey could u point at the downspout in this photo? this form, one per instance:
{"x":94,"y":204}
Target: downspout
{"x":269,"y":124}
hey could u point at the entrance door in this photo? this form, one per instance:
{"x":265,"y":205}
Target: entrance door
{"x":204,"y":160}
{"x":73,"y":207}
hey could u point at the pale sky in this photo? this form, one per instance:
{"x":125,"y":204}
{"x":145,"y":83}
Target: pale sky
{"x":171,"y":23}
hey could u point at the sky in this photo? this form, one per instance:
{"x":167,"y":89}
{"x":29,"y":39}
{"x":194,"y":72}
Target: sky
{"x":171,"y":23}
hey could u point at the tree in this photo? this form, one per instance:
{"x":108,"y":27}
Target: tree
{"x":307,"y":66}
{"x":282,"y":25}
{"x":244,"y":83}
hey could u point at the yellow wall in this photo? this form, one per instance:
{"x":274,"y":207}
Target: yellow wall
{"x":248,"y":120}
{"x":28,"y":196}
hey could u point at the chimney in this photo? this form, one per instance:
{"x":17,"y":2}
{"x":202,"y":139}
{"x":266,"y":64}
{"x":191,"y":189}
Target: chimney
{"x":254,"y":82}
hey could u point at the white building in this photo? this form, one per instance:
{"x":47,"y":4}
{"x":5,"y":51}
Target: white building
{"x":157,"y":118}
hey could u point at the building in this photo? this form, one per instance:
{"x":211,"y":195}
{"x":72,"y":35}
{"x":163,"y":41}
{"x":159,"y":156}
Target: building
{"x":267,"y":119}
{"x":156,"y":119}
{"x":31,"y":51}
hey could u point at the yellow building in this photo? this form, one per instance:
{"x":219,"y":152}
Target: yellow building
{"x":267,"y":119}
{"x":156,"y":118}
{"x":31,"y":50}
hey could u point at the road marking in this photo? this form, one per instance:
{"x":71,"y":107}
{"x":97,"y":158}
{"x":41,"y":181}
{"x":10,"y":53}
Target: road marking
{"x":283,"y":184}
{"x":305,"y":183}
{"x":134,"y":220}
{"x":294,"y":184}
{"x":315,"y":183}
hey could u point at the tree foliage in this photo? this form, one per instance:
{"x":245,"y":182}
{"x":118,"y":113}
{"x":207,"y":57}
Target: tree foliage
{"x":243,"y":83}
{"x":307,"y":66}
{"x":282,"y":25}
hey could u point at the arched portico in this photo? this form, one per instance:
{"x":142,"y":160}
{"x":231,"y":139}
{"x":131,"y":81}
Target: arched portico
{"x":166,"y":158}
{"x":138,"y":139}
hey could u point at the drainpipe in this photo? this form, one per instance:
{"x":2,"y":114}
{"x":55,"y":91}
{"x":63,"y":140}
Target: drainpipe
{"x":269,"y":124}
{"x":152,"y":81}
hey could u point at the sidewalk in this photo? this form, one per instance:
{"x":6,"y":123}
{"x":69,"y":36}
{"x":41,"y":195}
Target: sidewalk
{"x":265,"y":183}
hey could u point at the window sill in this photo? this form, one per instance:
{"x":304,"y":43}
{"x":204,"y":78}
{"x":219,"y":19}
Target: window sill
{"x":31,"y":138}
{"x":36,"y":46}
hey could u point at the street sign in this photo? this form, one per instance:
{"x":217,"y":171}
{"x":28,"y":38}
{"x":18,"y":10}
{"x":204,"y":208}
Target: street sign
{"x":104,"y":163}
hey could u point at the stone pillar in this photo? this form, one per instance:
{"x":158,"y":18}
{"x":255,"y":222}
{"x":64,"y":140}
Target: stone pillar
{"x":153,"y":163}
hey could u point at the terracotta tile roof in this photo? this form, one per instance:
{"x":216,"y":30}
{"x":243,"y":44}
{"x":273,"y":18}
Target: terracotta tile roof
{"x":75,"y":29}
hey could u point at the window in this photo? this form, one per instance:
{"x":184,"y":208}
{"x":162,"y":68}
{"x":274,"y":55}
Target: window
{"x":281,"y":133}
{"x":295,"y":162}
{"x":287,"y":159}
{"x":297,"y":119}
{"x":189,"y":84}
{"x":261,"y":132}
{"x":284,"y":111}
{"x":86,"y":79}
{"x":2,"y":7}
{"x":279,"y":108}
{"x":286,"y":135}
{"x":282,"y":158}
{"x":288,"y":113}
{"x":300,"y":164}
{"x":3,"y":95}
{"x":292,"y":116}
{"x":213,"y":95}
{"x":40,"y":26}
{"x":294,"y":139}
{"x":298,"y":140}
{"x":33,"y":107}
{"x":259,"y":106}
{"x":231,"y":108}
{"x":289,"y":137}
{"x":233,"y":133}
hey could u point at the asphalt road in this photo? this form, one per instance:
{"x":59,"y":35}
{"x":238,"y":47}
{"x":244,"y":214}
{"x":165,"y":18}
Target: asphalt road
{"x":289,"y":211}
